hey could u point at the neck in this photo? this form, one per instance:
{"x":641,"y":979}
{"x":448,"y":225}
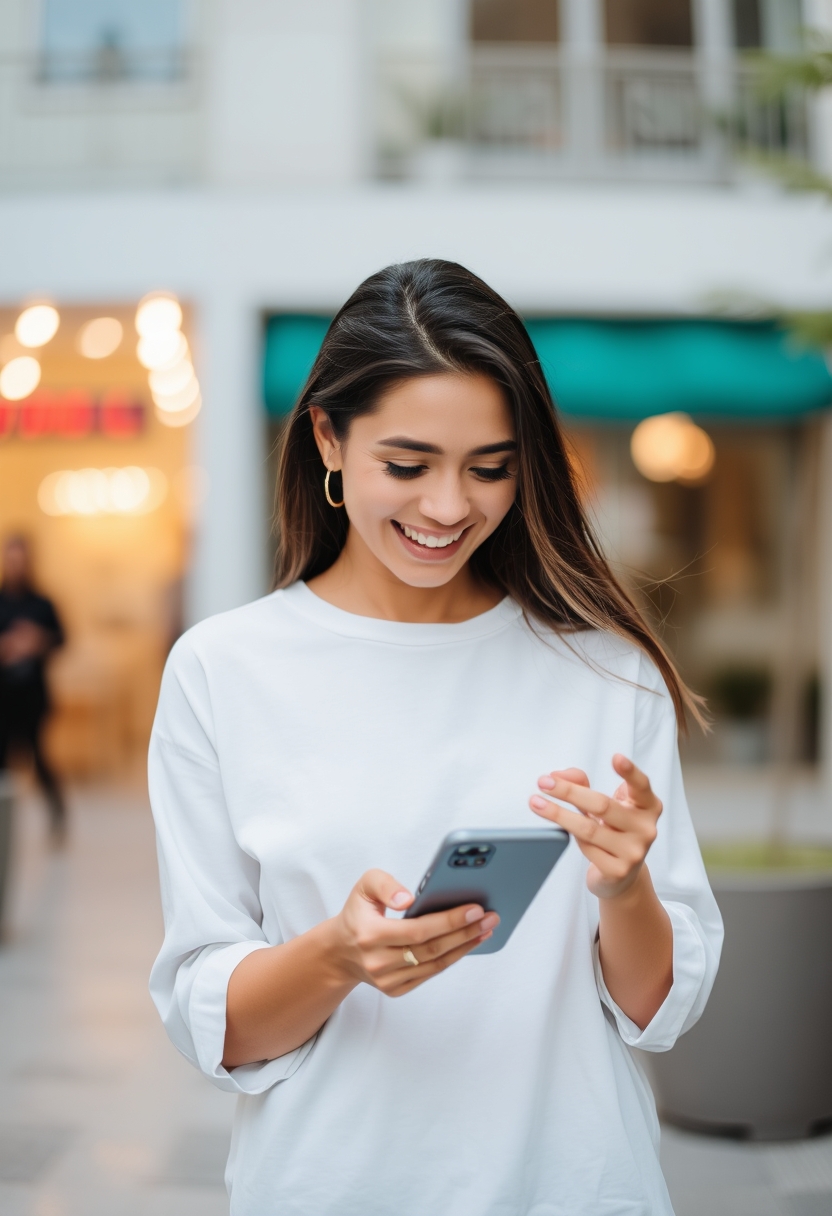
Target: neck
{"x":358,"y":582}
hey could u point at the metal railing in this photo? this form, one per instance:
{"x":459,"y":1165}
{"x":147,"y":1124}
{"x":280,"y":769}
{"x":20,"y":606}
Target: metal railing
{"x":516,"y":98}
{"x":616,"y":114}
{"x":110,"y":63}
{"x":652,"y":103}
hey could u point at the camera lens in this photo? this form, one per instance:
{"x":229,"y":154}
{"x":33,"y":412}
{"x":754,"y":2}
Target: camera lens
{"x":479,"y":861}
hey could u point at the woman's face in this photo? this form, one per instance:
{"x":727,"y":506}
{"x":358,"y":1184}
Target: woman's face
{"x":428,"y":475}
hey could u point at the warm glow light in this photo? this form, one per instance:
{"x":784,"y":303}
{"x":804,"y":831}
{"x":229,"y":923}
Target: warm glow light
{"x":174,"y":403}
{"x":671,"y":447}
{"x":37,"y":325}
{"x":87,"y":492}
{"x":162,"y":350}
{"x":99,"y":338}
{"x":167,"y":382}
{"x":158,"y":314}
{"x":19,"y":378}
{"x":179,"y":417}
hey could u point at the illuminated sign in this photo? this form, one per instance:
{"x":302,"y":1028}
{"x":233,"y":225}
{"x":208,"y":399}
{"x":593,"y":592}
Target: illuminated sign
{"x":72,"y":414}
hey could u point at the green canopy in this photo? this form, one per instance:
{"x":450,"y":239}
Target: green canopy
{"x":621,"y":371}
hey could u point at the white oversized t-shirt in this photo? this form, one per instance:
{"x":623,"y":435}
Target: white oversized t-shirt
{"x":297,"y":746}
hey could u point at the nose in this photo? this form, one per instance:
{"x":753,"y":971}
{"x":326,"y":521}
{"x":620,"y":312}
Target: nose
{"x":445,"y":501}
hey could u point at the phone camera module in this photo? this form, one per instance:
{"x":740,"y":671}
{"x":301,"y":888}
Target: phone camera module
{"x":476,"y":855}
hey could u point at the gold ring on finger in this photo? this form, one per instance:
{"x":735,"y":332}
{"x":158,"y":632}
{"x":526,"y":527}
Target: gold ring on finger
{"x":409,"y":957}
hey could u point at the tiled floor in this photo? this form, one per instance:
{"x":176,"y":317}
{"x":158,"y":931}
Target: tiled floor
{"x":100,"y":1117}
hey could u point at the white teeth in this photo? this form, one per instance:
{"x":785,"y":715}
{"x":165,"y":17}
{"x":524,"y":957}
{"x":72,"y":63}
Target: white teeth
{"x":431,"y":542}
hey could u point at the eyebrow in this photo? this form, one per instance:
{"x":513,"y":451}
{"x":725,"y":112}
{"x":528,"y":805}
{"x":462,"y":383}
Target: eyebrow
{"x":414,"y":445}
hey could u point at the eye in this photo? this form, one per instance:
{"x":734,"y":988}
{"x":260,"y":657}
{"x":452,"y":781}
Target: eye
{"x":404,"y":471}
{"x":500,"y":473}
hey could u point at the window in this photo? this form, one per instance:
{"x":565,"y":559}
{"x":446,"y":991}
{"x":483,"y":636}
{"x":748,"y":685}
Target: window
{"x":109,"y":40}
{"x":514,"y":21}
{"x":773,"y":24}
{"x":748,"y":26}
{"x":659,"y":23}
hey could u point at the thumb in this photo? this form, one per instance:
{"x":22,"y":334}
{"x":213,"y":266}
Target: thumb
{"x":384,"y":890}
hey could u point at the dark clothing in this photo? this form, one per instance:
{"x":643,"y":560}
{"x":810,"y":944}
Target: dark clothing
{"x":24,"y":699}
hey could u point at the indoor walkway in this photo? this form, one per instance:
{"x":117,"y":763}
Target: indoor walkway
{"x":99,"y":1115}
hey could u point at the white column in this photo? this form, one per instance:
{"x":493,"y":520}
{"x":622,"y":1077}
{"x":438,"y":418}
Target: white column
{"x":582,"y":43}
{"x":817,"y":15}
{"x":229,"y":555}
{"x":714,"y":37}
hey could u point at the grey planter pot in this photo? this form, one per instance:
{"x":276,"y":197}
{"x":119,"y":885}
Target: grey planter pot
{"x":759,"y":1062}
{"x":6,"y":810}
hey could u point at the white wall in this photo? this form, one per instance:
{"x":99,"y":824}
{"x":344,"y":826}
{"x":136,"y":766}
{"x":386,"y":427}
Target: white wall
{"x":285,"y":92}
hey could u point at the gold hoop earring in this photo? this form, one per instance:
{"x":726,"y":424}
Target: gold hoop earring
{"x":327,"y":493}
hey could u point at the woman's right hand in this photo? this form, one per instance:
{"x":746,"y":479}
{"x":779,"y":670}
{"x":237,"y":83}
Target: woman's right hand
{"x":371,"y":948}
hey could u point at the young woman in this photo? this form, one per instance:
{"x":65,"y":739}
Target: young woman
{"x":445,"y":630}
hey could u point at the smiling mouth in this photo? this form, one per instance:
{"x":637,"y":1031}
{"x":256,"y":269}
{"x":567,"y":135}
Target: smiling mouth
{"x":429,"y":544}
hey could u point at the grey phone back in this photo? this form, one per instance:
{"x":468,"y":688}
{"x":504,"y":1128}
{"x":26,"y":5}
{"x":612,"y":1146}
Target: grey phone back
{"x":502,"y":869}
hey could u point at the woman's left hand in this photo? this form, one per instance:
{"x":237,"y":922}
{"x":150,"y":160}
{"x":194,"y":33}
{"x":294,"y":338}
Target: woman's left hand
{"x":614,"y":834}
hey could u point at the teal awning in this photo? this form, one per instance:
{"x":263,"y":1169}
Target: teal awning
{"x":604,"y":370}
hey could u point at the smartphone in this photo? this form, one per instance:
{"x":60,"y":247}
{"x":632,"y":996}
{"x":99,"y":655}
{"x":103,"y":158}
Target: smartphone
{"x":502,"y":869}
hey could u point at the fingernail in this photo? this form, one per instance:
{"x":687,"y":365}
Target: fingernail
{"x":473,"y":914}
{"x":484,"y":937}
{"x":539,"y":804}
{"x":490,"y":922}
{"x":547,"y":783}
{"x":400,"y":899}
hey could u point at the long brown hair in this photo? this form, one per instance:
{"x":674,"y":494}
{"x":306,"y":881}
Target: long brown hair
{"x":428,"y":317}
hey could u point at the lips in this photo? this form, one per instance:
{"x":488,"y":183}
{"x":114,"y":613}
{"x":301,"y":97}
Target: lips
{"x":429,"y":546}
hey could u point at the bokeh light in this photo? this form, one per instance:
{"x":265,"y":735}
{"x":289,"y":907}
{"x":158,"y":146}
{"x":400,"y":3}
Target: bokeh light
{"x":162,"y":350}
{"x":37,"y":325}
{"x":158,"y":313}
{"x":19,"y":378}
{"x":88,"y":492}
{"x":671,"y":447}
{"x":100,"y":338}
{"x":170,"y":381}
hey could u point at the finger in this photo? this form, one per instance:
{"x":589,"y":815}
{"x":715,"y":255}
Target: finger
{"x":383,"y":890}
{"x":418,"y":929}
{"x":638,"y":783}
{"x":577,"y":775}
{"x":591,"y":802}
{"x":436,"y":947}
{"x":427,"y":970}
{"x":583,"y":827}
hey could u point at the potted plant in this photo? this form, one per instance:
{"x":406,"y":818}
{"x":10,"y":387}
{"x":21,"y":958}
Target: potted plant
{"x":758,"y":1064}
{"x":741,"y":695}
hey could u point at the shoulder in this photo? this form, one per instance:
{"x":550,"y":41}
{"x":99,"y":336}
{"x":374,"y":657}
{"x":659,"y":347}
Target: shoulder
{"x":605,"y":656}
{"x":230,"y":634}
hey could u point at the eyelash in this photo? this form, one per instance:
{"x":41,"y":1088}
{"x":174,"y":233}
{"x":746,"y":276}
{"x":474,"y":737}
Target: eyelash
{"x":406,"y":472}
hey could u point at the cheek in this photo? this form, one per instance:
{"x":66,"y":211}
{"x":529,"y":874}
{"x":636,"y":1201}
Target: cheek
{"x":376,"y":497}
{"x":499,"y":501}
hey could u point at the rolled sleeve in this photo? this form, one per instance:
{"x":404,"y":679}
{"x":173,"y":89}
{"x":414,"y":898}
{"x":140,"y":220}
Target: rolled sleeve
{"x":207,"y":1021}
{"x":684,"y":1002}
{"x":678,"y":876}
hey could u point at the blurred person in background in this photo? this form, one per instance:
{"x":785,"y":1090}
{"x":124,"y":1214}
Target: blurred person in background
{"x":29,"y":631}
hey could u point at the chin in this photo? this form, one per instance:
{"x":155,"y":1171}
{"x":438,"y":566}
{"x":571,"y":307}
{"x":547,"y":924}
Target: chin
{"x":423,"y":576}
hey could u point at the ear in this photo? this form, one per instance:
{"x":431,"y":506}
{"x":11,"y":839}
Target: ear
{"x":328,"y":445}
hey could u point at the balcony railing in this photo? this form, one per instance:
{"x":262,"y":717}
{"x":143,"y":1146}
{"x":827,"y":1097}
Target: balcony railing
{"x":111,"y":63}
{"x":626,"y":113}
{"x":652,"y":103}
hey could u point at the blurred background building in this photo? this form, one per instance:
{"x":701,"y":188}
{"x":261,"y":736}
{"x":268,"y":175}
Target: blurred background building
{"x":594,"y":160}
